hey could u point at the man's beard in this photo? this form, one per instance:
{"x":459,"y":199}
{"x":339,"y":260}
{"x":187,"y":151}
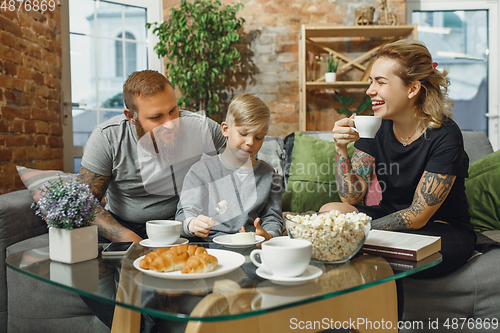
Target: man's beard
{"x":165,"y":146}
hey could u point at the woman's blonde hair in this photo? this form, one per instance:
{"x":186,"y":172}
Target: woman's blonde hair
{"x":248,"y":110}
{"x":415,"y":64}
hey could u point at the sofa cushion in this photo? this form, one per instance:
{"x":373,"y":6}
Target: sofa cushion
{"x":272,"y":153}
{"x":311,"y":181}
{"x":483,"y":192}
{"x":476,"y":145}
{"x":34,"y":179}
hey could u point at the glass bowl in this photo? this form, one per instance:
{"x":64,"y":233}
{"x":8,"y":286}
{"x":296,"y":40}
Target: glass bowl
{"x":335,"y":236}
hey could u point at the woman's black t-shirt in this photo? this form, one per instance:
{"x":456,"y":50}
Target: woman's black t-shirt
{"x":399,"y":168}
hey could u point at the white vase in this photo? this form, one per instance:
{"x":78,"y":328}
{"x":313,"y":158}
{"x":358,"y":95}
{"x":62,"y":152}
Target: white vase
{"x":330,"y":77}
{"x":72,"y":246}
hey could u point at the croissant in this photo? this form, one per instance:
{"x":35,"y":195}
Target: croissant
{"x":195,"y":250}
{"x":170,"y":261}
{"x":200,"y":263}
{"x":146,"y":261}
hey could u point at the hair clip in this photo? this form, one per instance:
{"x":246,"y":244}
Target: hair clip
{"x":434,"y":64}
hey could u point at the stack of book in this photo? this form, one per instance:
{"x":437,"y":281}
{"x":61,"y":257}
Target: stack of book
{"x":401,"y":245}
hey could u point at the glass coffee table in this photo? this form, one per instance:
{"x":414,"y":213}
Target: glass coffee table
{"x":359,"y":294}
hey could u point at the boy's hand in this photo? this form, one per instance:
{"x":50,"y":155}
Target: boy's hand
{"x":259,"y":230}
{"x":201,"y":225}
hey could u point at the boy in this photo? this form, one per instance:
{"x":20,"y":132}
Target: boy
{"x":251,"y":187}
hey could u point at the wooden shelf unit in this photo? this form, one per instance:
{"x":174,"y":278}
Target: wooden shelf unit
{"x":317,"y":35}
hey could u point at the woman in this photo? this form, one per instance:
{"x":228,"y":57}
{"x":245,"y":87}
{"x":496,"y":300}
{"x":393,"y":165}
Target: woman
{"x":418,"y":155}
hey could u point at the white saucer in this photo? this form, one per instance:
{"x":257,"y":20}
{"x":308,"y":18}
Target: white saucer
{"x":226,"y":240}
{"x":150,"y":244}
{"x":310,"y":273}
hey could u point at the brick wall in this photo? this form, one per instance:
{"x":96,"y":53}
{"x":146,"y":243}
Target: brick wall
{"x":30,"y":80}
{"x":271,"y":35}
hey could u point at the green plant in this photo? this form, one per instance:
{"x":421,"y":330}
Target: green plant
{"x":333,"y":63}
{"x":349,"y":100}
{"x":199,"y":42}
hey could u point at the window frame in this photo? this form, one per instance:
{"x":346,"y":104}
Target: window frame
{"x":154,"y":13}
{"x":493,"y":10}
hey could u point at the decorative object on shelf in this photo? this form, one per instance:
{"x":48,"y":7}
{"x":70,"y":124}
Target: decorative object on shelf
{"x":69,"y":208}
{"x":354,"y":69}
{"x":333,"y":64}
{"x":349,"y":100}
{"x":199,"y":42}
{"x":385,"y":17}
{"x":364,"y":15}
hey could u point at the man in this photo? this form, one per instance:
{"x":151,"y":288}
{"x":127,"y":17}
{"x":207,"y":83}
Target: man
{"x":139,"y":159}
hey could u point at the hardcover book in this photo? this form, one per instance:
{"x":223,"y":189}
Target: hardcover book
{"x":401,"y":245}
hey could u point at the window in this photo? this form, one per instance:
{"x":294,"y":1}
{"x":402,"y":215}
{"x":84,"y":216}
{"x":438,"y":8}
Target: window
{"x":463,"y":36}
{"x":129,"y":53}
{"x":105,"y":41}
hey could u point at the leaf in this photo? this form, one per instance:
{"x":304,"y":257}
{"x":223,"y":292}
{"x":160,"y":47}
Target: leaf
{"x":344,"y":100}
{"x":345,"y":111}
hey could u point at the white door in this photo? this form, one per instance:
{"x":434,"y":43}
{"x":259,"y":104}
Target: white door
{"x":463,"y":36}
{"x":103,"y":42}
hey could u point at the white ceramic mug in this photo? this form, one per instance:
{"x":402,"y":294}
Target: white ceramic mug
{"x":367,"y":126}
{"x":284,"y":257}
{"x":163,"y":232}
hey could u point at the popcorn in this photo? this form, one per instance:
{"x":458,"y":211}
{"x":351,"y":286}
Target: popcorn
{"x":334,"y":235}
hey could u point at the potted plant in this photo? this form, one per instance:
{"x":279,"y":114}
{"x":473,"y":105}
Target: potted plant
{"x":199,"y":42}
{"x":332,"y":64}
{"x":69,"y":208}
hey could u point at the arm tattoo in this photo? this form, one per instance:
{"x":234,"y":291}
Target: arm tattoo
{"x":398,"y":221}
{"x":435,"y":187}
{"x":432,"y":190}
{"x":352,"y":183}
{"x":108,"y":227}
{"x":98,"y":184}
{"x":363,"y":164}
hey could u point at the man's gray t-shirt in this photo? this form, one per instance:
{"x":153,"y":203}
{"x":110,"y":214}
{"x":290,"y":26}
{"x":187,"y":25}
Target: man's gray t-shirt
{"x":112,"y":150}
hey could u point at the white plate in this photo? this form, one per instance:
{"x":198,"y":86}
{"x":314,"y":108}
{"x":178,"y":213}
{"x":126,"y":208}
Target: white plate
{"x":310,"y":273}
{"x":228,"y":261}
{"x":227,"y":241}
{"x":198,"y":285}
{"x":149,"y":243}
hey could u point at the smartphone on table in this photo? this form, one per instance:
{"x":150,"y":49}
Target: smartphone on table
{"x":116,"y":249}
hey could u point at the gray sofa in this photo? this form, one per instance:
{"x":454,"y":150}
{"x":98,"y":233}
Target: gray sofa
{"x":30,"y":306}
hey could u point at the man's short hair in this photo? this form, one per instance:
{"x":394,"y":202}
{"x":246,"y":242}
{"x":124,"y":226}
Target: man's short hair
{"x":144,"y":83}
{"x":248,"y":110}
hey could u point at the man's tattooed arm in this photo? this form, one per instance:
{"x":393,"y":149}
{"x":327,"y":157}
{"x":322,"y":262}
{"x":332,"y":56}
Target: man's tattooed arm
{"x":108,"y":227}
{"x":352,"y":180}
{"x":431,"y":192}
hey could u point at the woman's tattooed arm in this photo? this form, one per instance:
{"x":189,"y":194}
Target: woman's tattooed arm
{"x":353,"y":179}
{"x":431,"y":192}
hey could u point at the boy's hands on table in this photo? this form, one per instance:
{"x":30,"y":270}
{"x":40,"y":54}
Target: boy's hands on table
{"x":259,"y":231}
{"x":201,"y":225}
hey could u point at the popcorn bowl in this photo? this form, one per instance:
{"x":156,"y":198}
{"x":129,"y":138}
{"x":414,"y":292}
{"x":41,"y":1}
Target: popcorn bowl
{"x":335,"y":236}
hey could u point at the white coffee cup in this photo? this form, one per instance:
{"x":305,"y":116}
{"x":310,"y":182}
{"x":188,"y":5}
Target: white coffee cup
{"x":163,"y":232}
{"x":367,"y":126}
{"x":284,"y":257}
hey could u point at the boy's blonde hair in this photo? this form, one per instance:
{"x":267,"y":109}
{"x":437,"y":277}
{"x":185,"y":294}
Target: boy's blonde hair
{"x":248,"y":110}
{"x":415,"y":64}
